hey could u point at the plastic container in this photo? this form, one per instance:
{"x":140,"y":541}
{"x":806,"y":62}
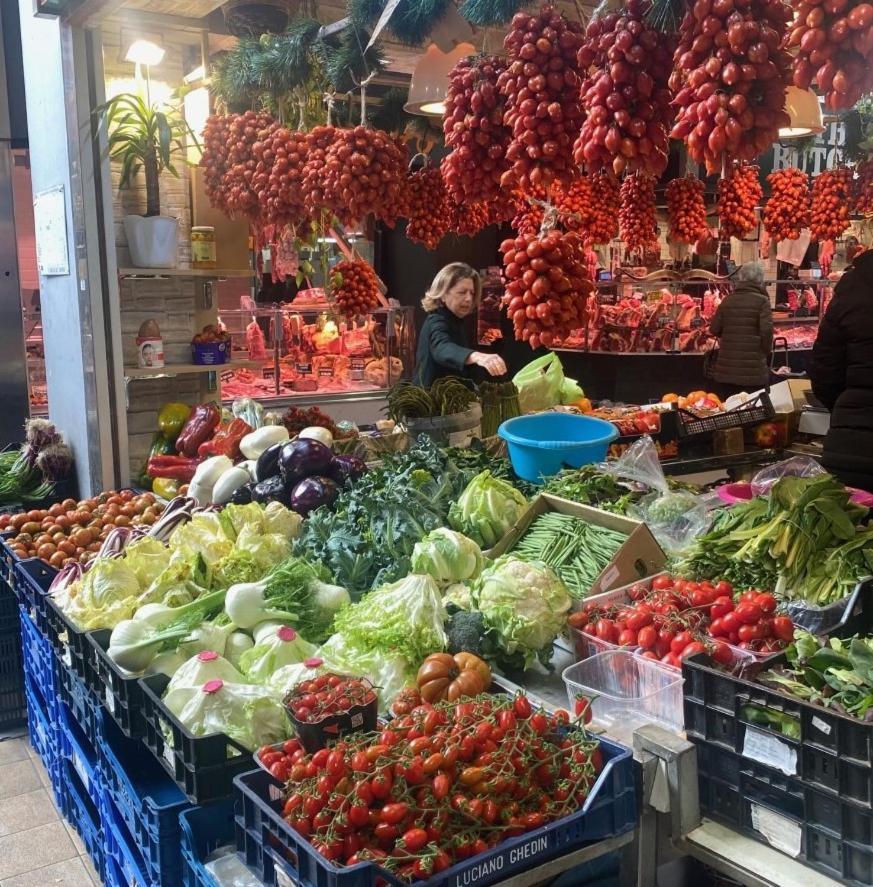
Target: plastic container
{"x":30,"y":581}
{"x":627,"y":692}
{"x":827,"y":833}
{"x":43,"y":735}
{"x":81,"y":704}
{"x":120,"y":846}
{"x":279,"y":855}
{"x":731,"y":494}
{"x":457,"y":430}
{"x":752,"y":412}
{"x":828,"y":751}
{"x":70,"y":643}
{"x":80,"y":806}
{"x":210,"y":353}
{"x":202,"y":766}
{"x":13,"y":705}
{"x":542,"y":444}
{"x":39,"y":665}
{"x":144,"y":798}
{"x":852,"y":615}
{"x":204,"y":830}
{"x":119,"y":692}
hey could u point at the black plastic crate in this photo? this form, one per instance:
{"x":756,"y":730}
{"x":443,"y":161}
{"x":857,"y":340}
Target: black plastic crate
{"x":120,"y":694}
{"x":70,"y":643}
{"x":31,"y":579}
{"x":9,"y":623}
{"x":830,"y":751}
{"x":758,"y":409}
{"x":13,"y":701}
{"x":202,"y":766}
{"x":8,"y":558}
{"x":828,"y":833}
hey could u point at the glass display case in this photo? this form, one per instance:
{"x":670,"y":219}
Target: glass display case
{"x":799,"y":306}
{"x":306,"y":350}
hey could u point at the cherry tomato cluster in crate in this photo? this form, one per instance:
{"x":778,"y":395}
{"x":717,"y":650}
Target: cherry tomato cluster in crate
{"x":439,"y":784}
{"x":328,"y":694}
{"x":676,"y":618}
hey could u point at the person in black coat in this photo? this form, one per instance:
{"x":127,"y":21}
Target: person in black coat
{"x":841,"y":372}
{"x":443,"y":348}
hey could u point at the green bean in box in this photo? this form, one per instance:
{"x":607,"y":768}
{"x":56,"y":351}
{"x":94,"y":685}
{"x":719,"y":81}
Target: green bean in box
{"x":591,"y":550}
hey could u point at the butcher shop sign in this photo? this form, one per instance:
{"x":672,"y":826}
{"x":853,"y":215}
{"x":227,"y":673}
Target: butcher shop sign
{"x":826,"y":151}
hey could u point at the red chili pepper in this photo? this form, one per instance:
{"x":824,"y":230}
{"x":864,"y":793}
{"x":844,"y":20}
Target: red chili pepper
{"x":226,"y":441}
{"x":172,"y":467}
{"x":201,"y":423}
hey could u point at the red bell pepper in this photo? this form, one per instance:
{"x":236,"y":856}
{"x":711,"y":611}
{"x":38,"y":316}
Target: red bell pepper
{"x":179,"y":468}
{"x":201,"y":423}
{"x":226,"y":441}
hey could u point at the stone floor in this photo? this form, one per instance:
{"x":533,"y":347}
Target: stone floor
{"x":38,"y":847}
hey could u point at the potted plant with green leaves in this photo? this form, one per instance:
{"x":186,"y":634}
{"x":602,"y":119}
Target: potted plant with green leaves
{"x":144,"y":135}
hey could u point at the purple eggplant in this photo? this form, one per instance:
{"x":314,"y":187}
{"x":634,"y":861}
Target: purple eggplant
{"x":304,"y":457}
{"x":242,"y":495}
{"x":268,"y":462}
{"x":347,"y":468}
{"x":273,"y":489}
{"x":312,"y":493}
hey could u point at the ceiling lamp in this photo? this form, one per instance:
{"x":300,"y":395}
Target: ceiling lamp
{"x":144,"y":52}
{"x":430,"y":79}
{"x":803,"y":107}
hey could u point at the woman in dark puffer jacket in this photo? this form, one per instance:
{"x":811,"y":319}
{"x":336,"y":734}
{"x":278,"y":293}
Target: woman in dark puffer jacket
{"x":842,"y":375}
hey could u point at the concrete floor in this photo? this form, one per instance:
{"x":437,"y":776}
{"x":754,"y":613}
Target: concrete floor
{"x":38,"y":847}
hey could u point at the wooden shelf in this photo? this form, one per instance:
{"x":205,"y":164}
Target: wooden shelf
{"x":181,"y":369}
{"x":184,"y":272}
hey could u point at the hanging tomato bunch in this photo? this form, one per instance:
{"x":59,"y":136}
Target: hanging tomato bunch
{"x":738,"y":195}
{"x":686,"y":209}
{"x":637,"y":216}
{"x":864,"y":188}
{"x":279,"y":175}
{"x":626,"y":100}
{"x":831,"y":196}
{"x":466,"y":219}
{"x":356,"y":288}
{"x":729,"y":77}
{"x":602,"y":226}
{"x":541,"y":88}
{"x":428,"y":212}
{"x":787,"y":212}
{"x":834,"y":40}
{"x":548,"y":286}
{"x":474,"y":130}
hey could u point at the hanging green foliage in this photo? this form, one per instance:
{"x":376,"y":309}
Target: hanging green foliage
{"x":389,"y":115}
{"x":285,"y":61}
{"x":233,"y":80}
{"x":491,"y":13}
{"x":411,"y":21}
{"x":666,"y":15}
{"x":344,"y":61}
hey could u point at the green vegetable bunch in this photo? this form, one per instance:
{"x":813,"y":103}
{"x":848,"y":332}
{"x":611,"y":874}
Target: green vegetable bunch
{"x":488,"y":507}
{"x":446,"y":397}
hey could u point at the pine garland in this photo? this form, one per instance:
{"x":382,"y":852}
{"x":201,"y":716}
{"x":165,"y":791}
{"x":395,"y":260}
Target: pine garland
{"x":285,"y":61}
{"x":233,"y":80}
{"x":411,"y":22}
{"x":344,"y":62}
{"x":491,"y":13}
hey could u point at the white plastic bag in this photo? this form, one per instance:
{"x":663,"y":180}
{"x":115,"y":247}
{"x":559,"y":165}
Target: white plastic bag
{"x":796,"y":466}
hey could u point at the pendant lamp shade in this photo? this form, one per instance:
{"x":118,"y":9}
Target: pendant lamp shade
{"x":803,"y":107}
{"x":430,"y":79}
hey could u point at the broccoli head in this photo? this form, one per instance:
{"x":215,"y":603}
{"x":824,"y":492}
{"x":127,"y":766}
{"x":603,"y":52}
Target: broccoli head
{"x":465,"y":631}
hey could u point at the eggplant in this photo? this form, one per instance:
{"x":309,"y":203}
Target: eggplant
{"x":347,"y":468}
{"x":270,"y":490}
{"x":268,"y":462}
{"x":313,"y":492}
{"x":242,"y":495}
{"x":304,"y":457}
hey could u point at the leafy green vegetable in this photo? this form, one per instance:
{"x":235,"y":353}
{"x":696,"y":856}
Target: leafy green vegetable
{"x":447,"y":556}
{"x":488,"y":507}
{"x":404,"y":618}
{"x":283,"y":646}
{"x":104,"y":596}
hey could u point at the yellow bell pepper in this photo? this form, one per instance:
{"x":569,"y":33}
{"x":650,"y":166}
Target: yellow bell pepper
{"x":172,"y":418}
{"x":165,"y":488}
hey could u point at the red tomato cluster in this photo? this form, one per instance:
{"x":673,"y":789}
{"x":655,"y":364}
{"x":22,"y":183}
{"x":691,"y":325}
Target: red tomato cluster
{"x":626,"y":99}
{"x":686,"y":209}
{"x":637,"y":217}
{"x":729,"y":78}
{"x":603,"y":224}
{"x":831,"y":202}
{"x":281,"y":155}
{"x":443,"y":783}
{"x":328,"y":694}
{"x":541,"y":87}
{"x":676,"y":618}
{"x":467,"y":219}
{"x":548,"y":286}
{"x":787,"y":211}
{"x":864,"y":188}
{"x":357,"y":289}
{"x":428,"y":212}
{"x":834,"y":40}
{"x":474,"y":132}
{"x":738,"y":194}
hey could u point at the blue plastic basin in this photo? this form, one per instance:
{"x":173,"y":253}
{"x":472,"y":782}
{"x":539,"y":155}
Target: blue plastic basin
{"x":542,"y":444}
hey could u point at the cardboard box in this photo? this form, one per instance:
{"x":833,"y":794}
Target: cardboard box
{"x":638,"y":557}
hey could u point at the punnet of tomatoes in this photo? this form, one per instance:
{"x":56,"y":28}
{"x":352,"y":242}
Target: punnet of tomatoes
{"x":672,"y":618}
{"x":437,"y":785}
{"x":74,"y":531}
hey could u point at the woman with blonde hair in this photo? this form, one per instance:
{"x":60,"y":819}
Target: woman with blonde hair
{"x":442,"y":346}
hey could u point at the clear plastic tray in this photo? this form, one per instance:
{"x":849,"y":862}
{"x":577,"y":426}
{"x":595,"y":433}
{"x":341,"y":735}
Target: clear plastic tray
{"x":627,"y":692}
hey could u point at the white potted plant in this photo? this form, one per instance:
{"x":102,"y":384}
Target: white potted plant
{"x":141,"y":135}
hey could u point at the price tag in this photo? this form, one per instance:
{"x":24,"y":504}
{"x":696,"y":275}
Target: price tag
{"x":270,"y":372}
{"x":325,"y":371}
{"x":275,"y":793}
{"x":226,"y":376}
{"x":283,"y":879}
{"x":770,"y":751}
{"x":168,"y":755}
{"x":356,"y":369}
{"x":821,"y":726}
{"x":781,"y":832}
{"x":305,"y":369}
{"x":67,"y":657}
{"x":79,"y":767}
{"x":109,"y":699}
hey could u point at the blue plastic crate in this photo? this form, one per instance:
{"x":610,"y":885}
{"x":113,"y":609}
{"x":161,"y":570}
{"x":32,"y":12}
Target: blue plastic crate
{"x":81,"y":702}
{"x":120,"y":848}
{"x":77,"y":748}
{"x":113,"y":875}
{"x":204,"y":830}
{"x":144,"y":796}
{"x":80,"y":806}
{"x":272,"y":848}
{"x":44,"y":739}
{"x":39,"y":664}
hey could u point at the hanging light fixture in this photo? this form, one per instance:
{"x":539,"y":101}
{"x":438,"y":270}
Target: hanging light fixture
{"x":430,"y":79}
{"x":144,"y":52}
{"x":803,"y":107}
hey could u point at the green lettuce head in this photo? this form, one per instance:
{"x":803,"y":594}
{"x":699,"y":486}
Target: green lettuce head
{"x":487,"y":508}
{"x":524,"y":603}
{"x":447,"y":556}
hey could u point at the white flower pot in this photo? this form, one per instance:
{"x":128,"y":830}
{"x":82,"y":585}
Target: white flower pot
{"x":153,"y":241}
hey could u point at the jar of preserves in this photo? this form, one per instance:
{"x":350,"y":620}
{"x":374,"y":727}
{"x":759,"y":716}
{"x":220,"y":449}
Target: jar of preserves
{"x":203,"y":247}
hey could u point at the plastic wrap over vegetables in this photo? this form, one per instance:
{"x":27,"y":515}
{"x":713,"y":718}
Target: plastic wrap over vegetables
{"x":282,"y":646}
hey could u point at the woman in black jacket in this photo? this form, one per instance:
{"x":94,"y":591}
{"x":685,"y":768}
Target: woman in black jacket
{"x":842,"y":375}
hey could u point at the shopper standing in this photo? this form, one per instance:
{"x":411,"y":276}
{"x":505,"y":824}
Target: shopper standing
{"x":443,"y":347}
{"x":743,"y":324}
{"x":842,"y":375}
